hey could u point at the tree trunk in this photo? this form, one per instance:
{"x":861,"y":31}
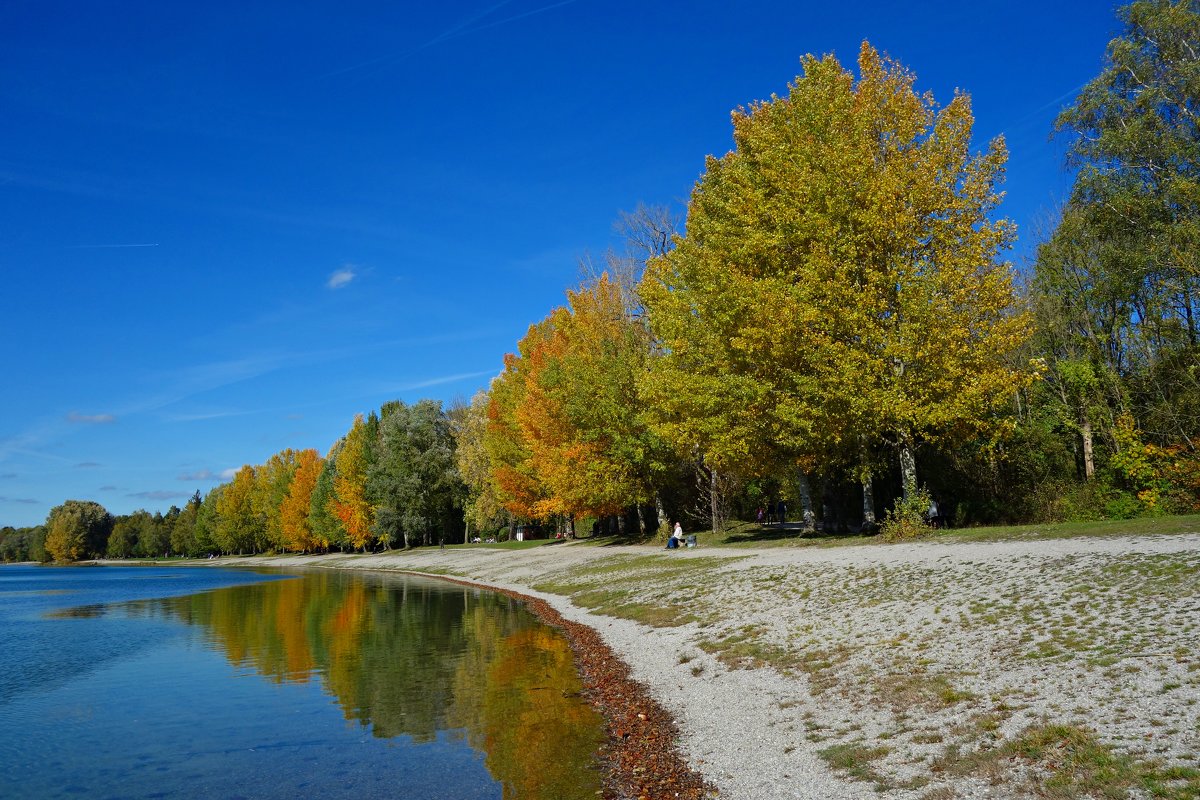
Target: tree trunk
{"x":1085,"y":431}
{"x":908,"y":468}
{"x":714,"y":500}
{"x":806,"y":505}
{"x":660,"y":512}
{"x":868,"y":507}
{"x":641,"y":520}
{"x":621,"y":523}
{"x":868,"y":490}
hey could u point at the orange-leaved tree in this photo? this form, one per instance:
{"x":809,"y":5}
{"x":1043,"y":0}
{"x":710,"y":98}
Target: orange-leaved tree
{"x":295,"y":530}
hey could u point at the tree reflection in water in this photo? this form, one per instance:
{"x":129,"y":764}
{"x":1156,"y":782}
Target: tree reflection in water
{"x":406,"y":656}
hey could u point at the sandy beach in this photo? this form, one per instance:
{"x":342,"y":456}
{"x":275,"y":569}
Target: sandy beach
{"x":921,"y":670}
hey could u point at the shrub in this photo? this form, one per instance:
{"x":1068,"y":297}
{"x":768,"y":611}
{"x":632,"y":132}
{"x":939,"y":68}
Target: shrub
{"x":906,"y":520}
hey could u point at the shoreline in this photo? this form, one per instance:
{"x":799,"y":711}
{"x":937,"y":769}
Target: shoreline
{"x":864,"y":672}
{"x":639,"y":758}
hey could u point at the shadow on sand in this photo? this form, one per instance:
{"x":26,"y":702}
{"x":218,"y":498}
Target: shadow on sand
{"x":774,"y":532}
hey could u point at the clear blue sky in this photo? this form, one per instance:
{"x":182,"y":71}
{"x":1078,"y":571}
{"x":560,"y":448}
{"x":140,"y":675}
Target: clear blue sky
{"x":226,"y":228}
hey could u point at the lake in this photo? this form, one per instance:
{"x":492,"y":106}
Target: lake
{"x":153,"y":682}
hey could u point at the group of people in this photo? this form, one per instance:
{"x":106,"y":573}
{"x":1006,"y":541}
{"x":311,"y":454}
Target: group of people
{"x":774,"y":512}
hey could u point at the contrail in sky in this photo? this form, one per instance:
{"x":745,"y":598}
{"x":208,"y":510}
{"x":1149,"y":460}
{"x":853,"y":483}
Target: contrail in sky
{"x":461,"y":29}
{"x":106,"y":246}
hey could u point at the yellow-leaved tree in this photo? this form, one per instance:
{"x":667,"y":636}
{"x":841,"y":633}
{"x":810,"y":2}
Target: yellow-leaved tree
{"x":349,"y":503}
{"x":838,"y":281}
{"x":469,"y":424}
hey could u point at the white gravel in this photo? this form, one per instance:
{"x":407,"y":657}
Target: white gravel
{"x":928,"y":643}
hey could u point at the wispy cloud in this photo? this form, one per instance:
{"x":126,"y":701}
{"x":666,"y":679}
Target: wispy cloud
{"x":108,"y":246}
{"x":88,"y":465}
{"x":201,"y":416}
{"x":341,"y":277}
{"x":109,"y":488}
{"x":200,"y":475}
{"x":5,"y":476}
{"x":159,"y":494}
{"x":438,"y":381}
{"x":227,"y":474}
{"x":90,"y":419}
{"x":29,"y":501}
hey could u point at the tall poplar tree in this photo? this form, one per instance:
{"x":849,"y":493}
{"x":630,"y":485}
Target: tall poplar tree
{"x":469,"y":426}
{"x":350,"y":504}
{"x":295,"y":529}
{"x":838,"y":280}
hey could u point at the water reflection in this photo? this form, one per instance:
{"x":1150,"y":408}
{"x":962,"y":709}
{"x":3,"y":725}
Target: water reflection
{"x":412,"y":657}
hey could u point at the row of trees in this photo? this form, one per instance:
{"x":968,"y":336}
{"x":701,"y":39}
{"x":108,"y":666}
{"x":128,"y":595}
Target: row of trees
{"x":836,"y":313}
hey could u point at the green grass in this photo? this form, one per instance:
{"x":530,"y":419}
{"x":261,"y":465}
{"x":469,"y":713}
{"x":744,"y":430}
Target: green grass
{"x":854,"y":759}
{"x":1068,"y":763}
{"x":749,"y":534}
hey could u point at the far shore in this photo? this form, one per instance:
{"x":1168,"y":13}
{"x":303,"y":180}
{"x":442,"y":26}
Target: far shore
{"x":920,"y":670}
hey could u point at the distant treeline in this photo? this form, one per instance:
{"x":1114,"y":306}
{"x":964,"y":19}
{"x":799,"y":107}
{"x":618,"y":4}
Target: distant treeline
{"x":834,"y":328}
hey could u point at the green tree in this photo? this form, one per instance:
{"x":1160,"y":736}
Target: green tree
{"x":1123,"y":267}
{"x":207,"y":519}
{"x":327,"y":530}
{"x":414,"y":476}
{"x":154,"y":534}
{"x":123,"y":541}
{"x":183,"y":533}
{"x":77,"y":529}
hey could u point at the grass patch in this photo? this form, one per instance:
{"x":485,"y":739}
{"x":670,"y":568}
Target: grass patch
{"x":746,"y":650}
{"x":750,"y":534}
{"x":1068,"y":763}
{"x":615,"y":603}
{"x":854,"y":759}
{"x":904,"y":691}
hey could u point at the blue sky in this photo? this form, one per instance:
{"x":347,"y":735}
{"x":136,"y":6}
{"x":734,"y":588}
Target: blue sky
{"x":226,"y":228}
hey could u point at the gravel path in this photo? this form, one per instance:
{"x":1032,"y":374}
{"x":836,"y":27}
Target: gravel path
{"x":877,"y":671}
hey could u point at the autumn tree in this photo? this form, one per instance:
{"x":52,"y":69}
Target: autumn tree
{"x":838,"y":281}
{"x":349,"y":503}
{"x":518,"y":486}
{"x":591,"y":446}
{"x":468,"y":424}
{"x":77,"y":529}
{"x":271,"y":482}
{"x":294,"y":527}
{"x":238,"y":528}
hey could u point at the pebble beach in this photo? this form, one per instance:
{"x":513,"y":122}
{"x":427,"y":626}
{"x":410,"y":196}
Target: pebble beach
{"x":920,"y":670}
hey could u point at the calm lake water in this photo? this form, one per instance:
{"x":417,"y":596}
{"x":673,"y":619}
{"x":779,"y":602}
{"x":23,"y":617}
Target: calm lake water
{"x":147,"y":682}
